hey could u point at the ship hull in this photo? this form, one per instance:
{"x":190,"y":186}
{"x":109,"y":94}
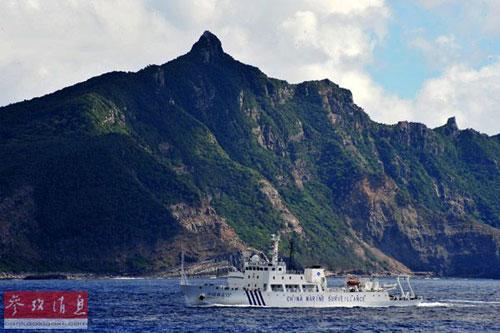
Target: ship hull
{"x":203,"y":296}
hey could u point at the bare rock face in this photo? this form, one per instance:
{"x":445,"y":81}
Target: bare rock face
{"x":384,"y":264}
{"x":418,"y":136}
{"x":204,"y":223}
{"x":301,"y":173}
{"x":127,"y":162}
{"x":451,"y":127}
{"x":284,"y":94}
{"x":204,"y":235}
{"x":292,"y":223}
{"x":406,"y":234}
{"x":299,"y":135}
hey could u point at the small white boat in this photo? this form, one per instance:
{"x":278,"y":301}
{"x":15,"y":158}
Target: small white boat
{"x":266,"y":283}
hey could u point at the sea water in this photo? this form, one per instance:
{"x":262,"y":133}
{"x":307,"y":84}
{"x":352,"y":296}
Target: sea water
{"x":156,"y":305}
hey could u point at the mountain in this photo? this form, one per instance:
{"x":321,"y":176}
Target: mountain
{"x":205,"y":153}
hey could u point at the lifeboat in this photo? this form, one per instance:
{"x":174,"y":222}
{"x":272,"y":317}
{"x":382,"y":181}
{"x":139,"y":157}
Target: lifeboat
{"x":352,"y":281}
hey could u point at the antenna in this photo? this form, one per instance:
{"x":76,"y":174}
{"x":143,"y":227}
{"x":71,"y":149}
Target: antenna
{"x":184,"y":280}
{"x":412,"y":293}
{"x":290,"y":255}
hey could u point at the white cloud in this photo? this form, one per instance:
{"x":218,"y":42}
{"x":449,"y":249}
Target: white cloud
{"x":471,"y":95}
{"x":440,"y":52}
{"x":347,"y":7}
{"x":46,"y":45}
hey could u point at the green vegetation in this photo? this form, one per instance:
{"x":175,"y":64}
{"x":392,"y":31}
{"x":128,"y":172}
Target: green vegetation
{"x":94,"y":168}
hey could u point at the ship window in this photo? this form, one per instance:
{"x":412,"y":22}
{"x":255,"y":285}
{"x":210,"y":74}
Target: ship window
{"x":274,"y":277}
{"x":301,"y":277}
{"x":249,"y":276}
{"x":282,"y":277}
{"x":293,"y":288}
{"x":290,"y":277}
{"x":279,"y":269}
{"x":277,"y":287}
{"x":274,"y":269}
{"x":265,"y":269}
{"x":309,"y":288}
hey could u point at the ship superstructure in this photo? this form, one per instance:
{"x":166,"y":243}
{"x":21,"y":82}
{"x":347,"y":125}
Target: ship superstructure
{"x":268,"y":283}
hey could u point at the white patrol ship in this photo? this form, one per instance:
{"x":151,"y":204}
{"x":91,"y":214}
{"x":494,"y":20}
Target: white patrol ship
{"x":265,"y":283}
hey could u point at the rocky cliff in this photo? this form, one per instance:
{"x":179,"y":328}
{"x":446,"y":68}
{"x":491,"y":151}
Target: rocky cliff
{"x":118,"y":173}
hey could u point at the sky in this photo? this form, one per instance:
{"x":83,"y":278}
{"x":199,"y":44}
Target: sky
{"x":421,"y":60}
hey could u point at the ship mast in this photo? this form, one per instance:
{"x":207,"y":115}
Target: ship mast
{"x":275,"y":248}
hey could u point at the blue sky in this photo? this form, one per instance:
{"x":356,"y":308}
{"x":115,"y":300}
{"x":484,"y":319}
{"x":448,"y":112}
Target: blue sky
{"x":397,"y":65}
{"x":421,"y":60}
{"x":401,"y":68}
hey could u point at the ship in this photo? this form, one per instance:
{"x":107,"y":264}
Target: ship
{"x":268,"y":283}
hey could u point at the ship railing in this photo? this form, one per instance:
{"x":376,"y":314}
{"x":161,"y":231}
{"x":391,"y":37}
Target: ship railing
{"x":405,"y":294}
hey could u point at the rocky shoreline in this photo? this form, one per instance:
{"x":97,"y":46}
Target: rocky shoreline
{"x":196,"y":270}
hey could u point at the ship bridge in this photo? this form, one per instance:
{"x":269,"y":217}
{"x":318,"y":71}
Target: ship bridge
{"x":272,"y":275}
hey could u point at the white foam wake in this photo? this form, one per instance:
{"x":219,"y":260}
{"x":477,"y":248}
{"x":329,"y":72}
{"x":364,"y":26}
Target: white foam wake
{"x":434,"y":304}
{"x":466,"y":301}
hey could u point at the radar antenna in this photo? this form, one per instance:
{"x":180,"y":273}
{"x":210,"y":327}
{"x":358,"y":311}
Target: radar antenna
{"x":275,"y":248}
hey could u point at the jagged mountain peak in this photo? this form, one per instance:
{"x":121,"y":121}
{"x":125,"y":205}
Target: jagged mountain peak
{"x":450,"y":128}
{"x":451,"y":124}
{"x":212,"y":151}
{"x":208,"y":47}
